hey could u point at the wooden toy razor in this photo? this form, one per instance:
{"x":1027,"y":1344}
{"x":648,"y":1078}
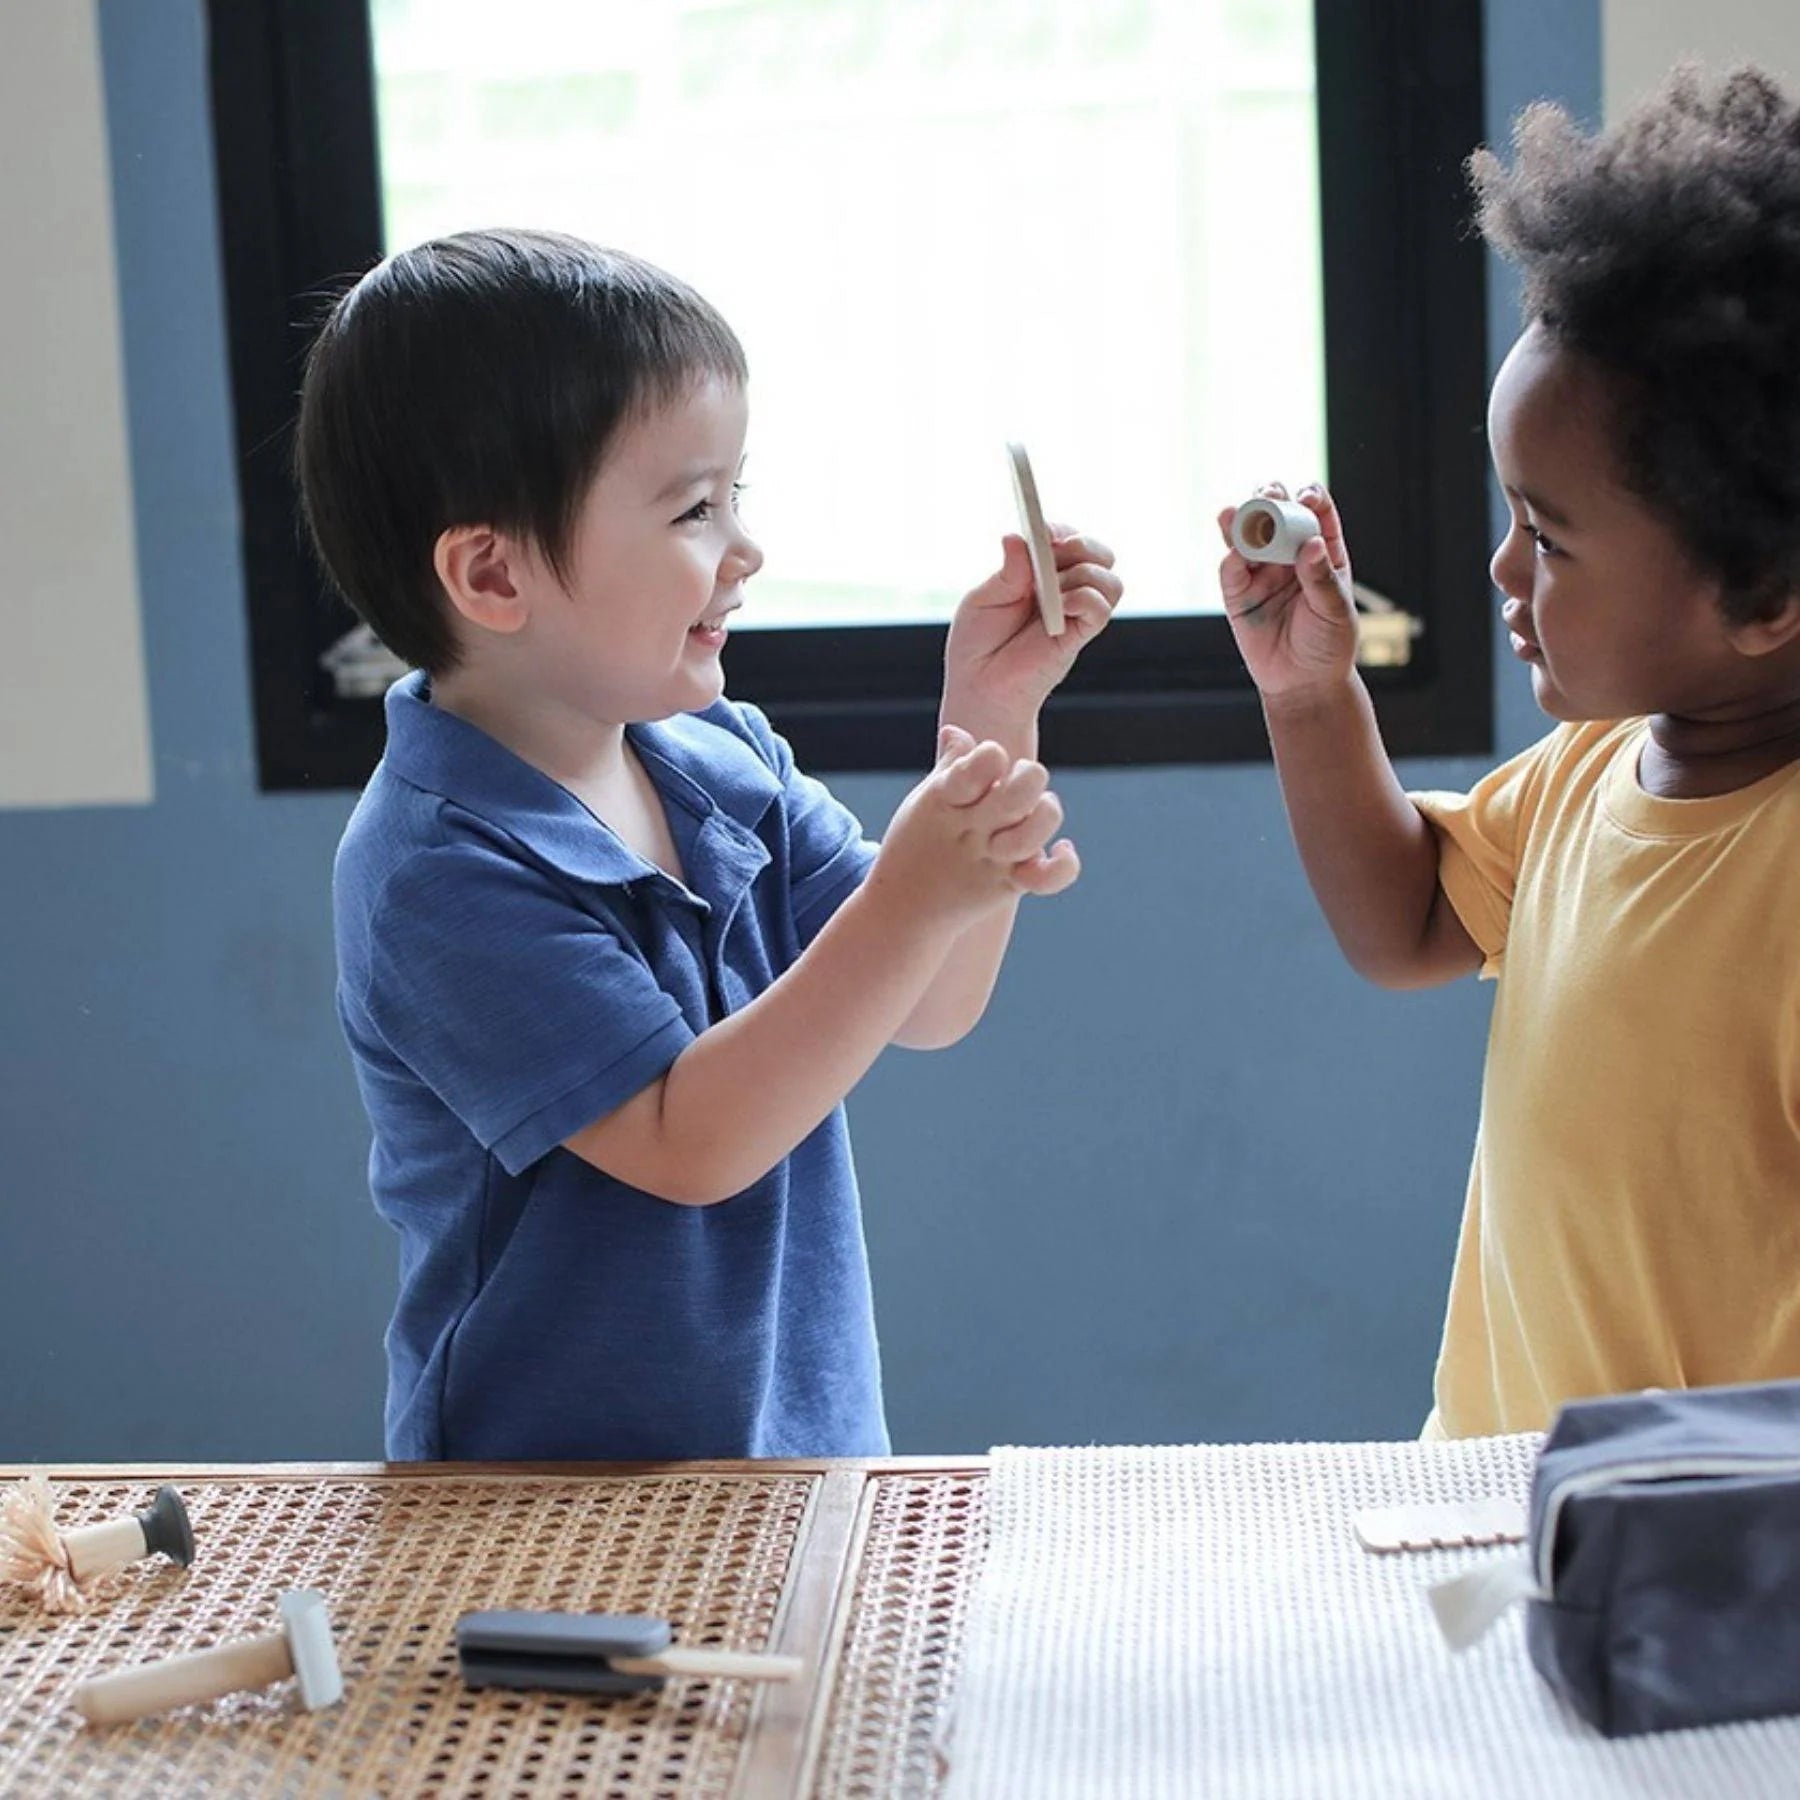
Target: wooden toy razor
{"x":303,"y":1647}
{"x":595,"y":1653}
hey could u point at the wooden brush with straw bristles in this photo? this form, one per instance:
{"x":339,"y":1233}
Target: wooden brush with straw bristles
{"x":65,"y":1566}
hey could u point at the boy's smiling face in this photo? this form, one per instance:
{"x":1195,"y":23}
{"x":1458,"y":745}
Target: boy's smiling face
{"x":1601,"y":598}
{"x":657,"y":561}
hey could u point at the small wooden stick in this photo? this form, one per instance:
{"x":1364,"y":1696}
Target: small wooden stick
{"x":1441,"y":1525}
{"x":702,"y":1664}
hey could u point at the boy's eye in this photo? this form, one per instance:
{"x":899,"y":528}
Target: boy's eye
{"x":702,"y":510}
{"x":1545,"y":546}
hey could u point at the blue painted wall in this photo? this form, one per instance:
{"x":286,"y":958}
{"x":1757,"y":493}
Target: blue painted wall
{"x":1190,"y":1180}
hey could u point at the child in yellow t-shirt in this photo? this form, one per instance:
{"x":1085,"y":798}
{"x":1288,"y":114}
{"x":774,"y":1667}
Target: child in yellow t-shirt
{"x":1632,"y":881}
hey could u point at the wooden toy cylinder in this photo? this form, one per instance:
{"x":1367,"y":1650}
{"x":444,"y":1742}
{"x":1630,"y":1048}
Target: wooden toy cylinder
{"x":184,"y":1680}
{"x":96,"y":1549}
{"x":1275,"y":531}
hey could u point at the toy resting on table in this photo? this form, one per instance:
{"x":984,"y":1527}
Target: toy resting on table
{"x":302,"y":1648}
{"x":64,"y":1565}
{"x":596,"y":1653}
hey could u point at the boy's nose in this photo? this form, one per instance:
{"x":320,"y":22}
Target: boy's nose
{"x":746,"y":558}
{"x":1506,"y":570}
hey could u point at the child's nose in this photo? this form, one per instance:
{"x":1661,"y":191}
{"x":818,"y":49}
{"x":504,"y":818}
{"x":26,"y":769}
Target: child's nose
{"x":1511,"y":572}
{"x":746,"y":557}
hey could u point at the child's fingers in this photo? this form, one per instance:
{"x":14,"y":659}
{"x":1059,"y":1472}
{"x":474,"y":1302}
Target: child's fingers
{"x":1073,"y":577}
{"x":1236,"y":579}
{"x":1070,"y":547}
{"x":1049,"y":873}
{"x":1247,"y":587}
{"x":1325,"y":587}
{"x":1090,"y":578}
{"x":968,"y":777}
{"x":1011,"y":582}
{"x":1090,"y":590}
{"x":1015,"y":843}
{"x":1012,"y":797}
{"x":1331,"y":527}
{"x":1089,"y":610}
{"x":952,"y":742}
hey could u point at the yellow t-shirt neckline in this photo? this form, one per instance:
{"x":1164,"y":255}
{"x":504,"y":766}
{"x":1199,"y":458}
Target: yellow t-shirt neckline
{"x":1655,"y":816}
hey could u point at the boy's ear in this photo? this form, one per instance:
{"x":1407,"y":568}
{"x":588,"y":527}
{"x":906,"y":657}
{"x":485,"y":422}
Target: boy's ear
{"x":1774,"y":631}
{"x":479,"y":570}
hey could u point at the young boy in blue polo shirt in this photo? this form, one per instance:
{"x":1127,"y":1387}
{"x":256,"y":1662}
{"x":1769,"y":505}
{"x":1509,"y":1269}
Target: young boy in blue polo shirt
{"x":608,"y":962}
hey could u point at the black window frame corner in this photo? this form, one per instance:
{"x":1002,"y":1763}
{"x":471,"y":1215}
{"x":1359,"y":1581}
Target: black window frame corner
{"x":1400,"y":105}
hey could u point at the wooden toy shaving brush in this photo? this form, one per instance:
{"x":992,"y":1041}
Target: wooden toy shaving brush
{"x":64,"y":1565}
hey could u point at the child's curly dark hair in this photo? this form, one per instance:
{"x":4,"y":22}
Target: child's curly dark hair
{"x":1667,"y":251}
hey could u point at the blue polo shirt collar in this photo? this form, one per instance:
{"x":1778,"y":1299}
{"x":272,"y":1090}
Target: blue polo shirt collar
{"x":709,"y":772}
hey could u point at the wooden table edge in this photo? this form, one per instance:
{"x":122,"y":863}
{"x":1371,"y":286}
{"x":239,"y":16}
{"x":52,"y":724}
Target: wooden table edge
{"x":862,"y":1466}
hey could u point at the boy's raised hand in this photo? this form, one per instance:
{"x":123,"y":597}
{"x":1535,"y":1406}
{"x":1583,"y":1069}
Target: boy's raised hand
{"x":1000,"y":664}
{"x":975,"y":832}
{"x":1295,"y":625}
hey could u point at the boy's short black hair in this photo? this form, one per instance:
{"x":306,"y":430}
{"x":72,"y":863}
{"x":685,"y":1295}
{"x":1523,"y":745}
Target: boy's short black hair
{"x":1667,"y":251}
{"x":479,"y":380}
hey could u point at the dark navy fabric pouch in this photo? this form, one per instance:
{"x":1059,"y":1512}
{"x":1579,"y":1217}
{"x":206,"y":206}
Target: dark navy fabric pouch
{"x":1665,"y":1550}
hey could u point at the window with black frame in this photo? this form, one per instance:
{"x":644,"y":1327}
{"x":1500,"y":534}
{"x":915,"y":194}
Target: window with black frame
{"x":1175,"y":246}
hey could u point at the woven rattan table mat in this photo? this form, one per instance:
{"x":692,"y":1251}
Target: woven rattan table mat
{"x":917,"y":1553}
{"x":398,"y":1559}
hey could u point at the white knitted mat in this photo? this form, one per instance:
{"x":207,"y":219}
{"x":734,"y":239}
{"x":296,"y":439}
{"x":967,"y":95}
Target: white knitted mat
{"x":1201,"y":1622}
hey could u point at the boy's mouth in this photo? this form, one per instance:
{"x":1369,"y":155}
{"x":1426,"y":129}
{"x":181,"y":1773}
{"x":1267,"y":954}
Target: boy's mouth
{"x":711,"y":628}
{"x":1517,"y":619}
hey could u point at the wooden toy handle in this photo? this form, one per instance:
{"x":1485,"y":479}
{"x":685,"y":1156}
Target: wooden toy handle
{"x":96,"y":1549}
{"x":702,"y":1664}
{"x":183,"y":1680}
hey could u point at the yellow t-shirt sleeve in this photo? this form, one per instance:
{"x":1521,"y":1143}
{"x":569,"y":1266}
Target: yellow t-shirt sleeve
{"x":1480,"y":836}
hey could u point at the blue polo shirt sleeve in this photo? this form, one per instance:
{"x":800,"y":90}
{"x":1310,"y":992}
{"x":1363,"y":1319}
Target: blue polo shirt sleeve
{"x":828,"y":855}
{"x":526,"y":1014}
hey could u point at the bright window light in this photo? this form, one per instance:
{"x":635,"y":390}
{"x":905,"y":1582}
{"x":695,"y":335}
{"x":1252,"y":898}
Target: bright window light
{"x":1091,"y":225}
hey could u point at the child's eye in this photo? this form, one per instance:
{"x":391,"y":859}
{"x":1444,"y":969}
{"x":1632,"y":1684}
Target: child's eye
{"x":702,"y":510}
{"x":1545,"y":546}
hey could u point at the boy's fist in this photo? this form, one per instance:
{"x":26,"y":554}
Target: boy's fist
{"x":976,"y":831}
